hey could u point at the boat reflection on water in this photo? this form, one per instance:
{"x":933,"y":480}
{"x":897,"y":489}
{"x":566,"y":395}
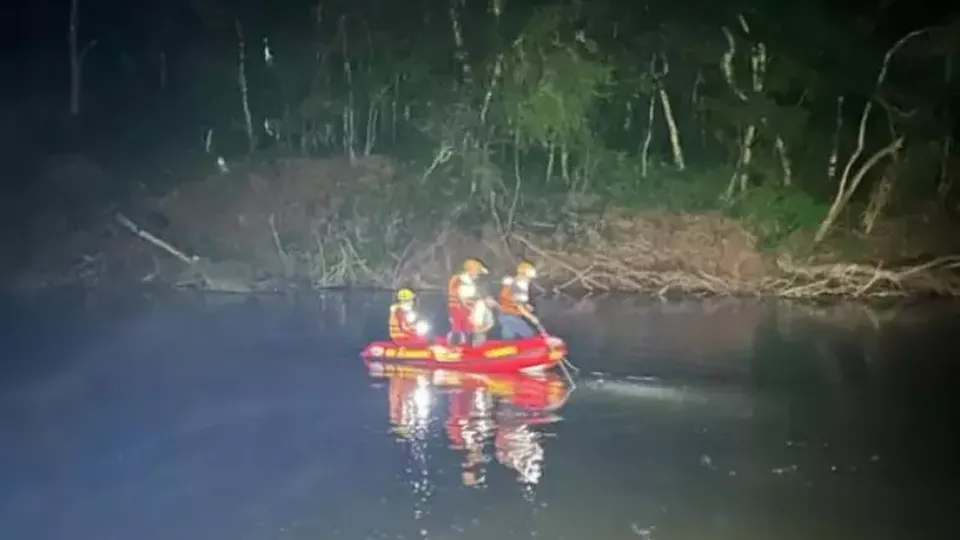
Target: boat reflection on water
{"x":484,"y":416}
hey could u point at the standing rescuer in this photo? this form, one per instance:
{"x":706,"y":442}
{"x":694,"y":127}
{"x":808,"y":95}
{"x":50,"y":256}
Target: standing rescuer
{"x":468,"y":310}
{"x":515,"y":308}
{"x":406,"y":326}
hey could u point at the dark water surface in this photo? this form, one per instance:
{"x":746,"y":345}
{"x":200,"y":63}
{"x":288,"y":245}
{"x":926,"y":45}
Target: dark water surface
{"x":220,"y":417}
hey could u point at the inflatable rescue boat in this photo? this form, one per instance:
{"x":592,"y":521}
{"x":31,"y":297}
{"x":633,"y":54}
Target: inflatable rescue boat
{"x":494,"y":356}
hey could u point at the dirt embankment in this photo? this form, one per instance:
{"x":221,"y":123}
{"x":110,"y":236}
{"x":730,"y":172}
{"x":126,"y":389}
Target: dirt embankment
{"x":322,"y":223}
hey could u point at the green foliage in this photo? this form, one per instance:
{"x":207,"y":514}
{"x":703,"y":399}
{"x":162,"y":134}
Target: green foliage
{"x":664,"y":188}
{"x":774,"y":213}
{"x":575,"y":79}
{"x":552,"y":84}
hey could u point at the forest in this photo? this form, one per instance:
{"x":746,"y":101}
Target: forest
{"x":742,"y":147}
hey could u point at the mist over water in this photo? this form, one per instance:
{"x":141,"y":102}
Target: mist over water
{"x":209,"y":417}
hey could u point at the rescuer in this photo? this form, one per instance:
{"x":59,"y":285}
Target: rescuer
{"x":516,"y":314}
{"x":406,"y":326}
{"x":469,"y":312}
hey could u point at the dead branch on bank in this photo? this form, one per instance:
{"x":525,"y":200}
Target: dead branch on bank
{"x":865,"y":281}
{"x":337,"y":262}
{"x":610,"y":274}
{"x":605,"y":273}
{"x":128,"y":224}
{"x":194,"y":262}
{"x":281,"y":252}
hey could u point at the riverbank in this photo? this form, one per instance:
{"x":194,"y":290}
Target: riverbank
{"x":309,"y":223}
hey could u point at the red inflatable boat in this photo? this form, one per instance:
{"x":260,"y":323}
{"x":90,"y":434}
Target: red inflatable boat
{"x":495,"y":356}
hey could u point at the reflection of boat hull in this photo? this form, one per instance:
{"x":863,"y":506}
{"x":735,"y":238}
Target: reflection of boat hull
{"x":494,"y":356}
{"x":541,"y":392}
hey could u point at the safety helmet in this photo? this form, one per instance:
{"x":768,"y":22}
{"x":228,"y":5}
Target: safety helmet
{"x":526,"y":269}
{"x":406,"y":295}
{"x":474,"y":265}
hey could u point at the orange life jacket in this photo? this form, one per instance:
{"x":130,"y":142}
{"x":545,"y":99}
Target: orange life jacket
{"x":512,"y":299}
{"x":453,"y":293}
{"x":400,"y":326}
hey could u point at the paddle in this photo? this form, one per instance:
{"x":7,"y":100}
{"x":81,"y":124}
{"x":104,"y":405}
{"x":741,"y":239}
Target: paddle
{"x":535,"y":322}
{"x":528,"y":316}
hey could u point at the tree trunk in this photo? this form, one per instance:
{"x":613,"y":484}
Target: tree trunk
{"x":847,"y":185}
{"x":648,"y":137}
{"x":460,"y":51}
{"x":244,"y":89}
{"x":76,"y":63}
{"x":834,"y":158}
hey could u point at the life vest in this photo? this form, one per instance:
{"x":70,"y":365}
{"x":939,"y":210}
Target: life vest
{"x":514,"y":296}
{"x":402,"y":322}
{"x":461,"y":291}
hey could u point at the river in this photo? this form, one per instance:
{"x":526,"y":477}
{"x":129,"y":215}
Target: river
{"x":181,"y":417}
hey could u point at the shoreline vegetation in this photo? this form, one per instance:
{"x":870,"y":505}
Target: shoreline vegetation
{"x":668,"y":151}
{"x":282,"y":226}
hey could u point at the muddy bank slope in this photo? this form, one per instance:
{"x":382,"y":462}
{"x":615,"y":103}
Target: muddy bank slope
{"x":324,"y":223}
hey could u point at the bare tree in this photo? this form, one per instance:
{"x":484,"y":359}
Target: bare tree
{"x":77,"y":55}
{"x":848,"y":184}
{"x":244,"y":87}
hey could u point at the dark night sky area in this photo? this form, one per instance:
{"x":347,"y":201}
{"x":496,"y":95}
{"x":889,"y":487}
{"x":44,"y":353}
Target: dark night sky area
{"x":41,"y":23}
{"x":33,"y":32}
{"x":34,"y":29}
{"x":33,"y":50}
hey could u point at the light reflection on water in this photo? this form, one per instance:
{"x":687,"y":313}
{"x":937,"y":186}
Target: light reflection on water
{"x":485,"y":418}
{"x":490,"y":420}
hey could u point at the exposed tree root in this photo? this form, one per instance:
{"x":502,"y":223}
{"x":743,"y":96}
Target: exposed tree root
{"x":426,"y":264}
{"x":606,"y":274}
{"x":937,"y":276}
{"x":335,"y":260}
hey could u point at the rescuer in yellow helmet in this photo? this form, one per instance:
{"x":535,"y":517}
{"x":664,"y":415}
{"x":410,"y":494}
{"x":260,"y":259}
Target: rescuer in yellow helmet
{"x":469,"y":311}
{"x":516,"y":314}
{"x":405,"y":323}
